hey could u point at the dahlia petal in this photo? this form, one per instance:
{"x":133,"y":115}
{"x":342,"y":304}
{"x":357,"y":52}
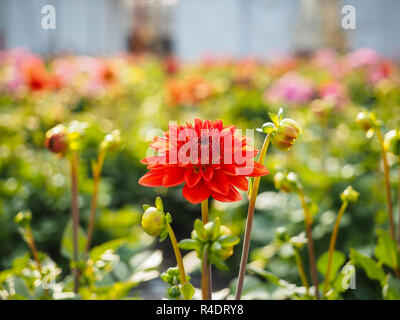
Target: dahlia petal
{"x":239,"y":182}
{"x":192,"y":177}
{"x":207,"y":173}
{"x":173,"y":177}
{"x":219,"y":183}
{"x":232,"y":196}
{"x":196,"y":194}
{"x":152,"y":179}
{"x":258,"y":170}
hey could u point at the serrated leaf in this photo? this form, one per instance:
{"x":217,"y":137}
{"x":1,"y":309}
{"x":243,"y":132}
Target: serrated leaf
{"x":338,"y":259}
{"x":386,"y":249}
{"x":187,"y":291}
{"x":372,"y":269}
{"x":67,"y":242}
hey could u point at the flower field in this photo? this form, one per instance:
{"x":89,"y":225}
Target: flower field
{"x":135,"y":177}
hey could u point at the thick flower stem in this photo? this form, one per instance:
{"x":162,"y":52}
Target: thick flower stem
{"x":75,"y":214}
{"x":332,"y":244}
{"x":387,"y":184}
{"x":249,"y":222}
{"x":311,"y":254}
{"x":96,"y":179}
{"x":301,"y":269}
{"x":206,"y":280}
{"x":178,"y":255}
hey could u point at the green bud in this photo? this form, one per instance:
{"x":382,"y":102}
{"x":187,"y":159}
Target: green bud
{"x":366,"y":120}
{"x":392,"y":142}
{"x":287,"y":182}
{"x":349,"y":194}
{"x":281,"y":234}
{"x":111,"y":141}
{"x":154,"y":221}
{"x":285,"y":134}
{"x":56,"y":139}
{"x":174,"y":291}
{"x":23,"y":218}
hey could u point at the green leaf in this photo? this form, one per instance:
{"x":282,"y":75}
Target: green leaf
{"x":270,"y":277}
{"x":338,"y":258}
{"x":201,"y":231}
{"x":159,"y":204}
{"x":372,"y":269}
{"x":189,"y":244}
{"x":216,"y":246}
{"x":215,"y":229}
{"x":386,"y":249}
{"x":274,"y":118}
{"x":67,"y":242}
{"x":217,"y":261}
{"x":391,"y":289}
{"x":187,"y":291}
{"x":96,"y":252}
{"x":228,"y":240}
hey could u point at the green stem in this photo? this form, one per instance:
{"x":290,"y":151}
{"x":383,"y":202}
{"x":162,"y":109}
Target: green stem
{"x":398,"y":204}
{"x":332,"y":244}
{"x":96,"y":177}
{"x":249,"y":222}
{"x":311,"y":254}
{"x":32,"y":246}
{"x":206,"y":280}
{"x":178,"y":255}
{"x":75,"y":214}
{"x":387,"y":184}
{"x":301,"y":269}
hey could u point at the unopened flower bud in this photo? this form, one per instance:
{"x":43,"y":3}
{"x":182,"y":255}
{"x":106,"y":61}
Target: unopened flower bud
{"x":111,"y":141}
{"x":287,"y":182}
{"x":285,"y":134}
{"x":23,"y":218}
{"x":349,"y":194}
{"x":56,"y":139}
{"x":392,"y":142}
{"x":366,"y":120}
{"x":154,"y":221}
{"x":174,"y":291}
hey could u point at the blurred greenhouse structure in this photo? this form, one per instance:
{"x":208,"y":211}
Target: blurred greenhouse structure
{"x":194,"y":28}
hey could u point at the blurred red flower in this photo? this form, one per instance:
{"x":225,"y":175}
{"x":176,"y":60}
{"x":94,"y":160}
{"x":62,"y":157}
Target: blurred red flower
{"x":207,"y":157}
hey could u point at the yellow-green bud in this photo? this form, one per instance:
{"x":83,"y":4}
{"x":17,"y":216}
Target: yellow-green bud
{"x":23,"y":218}
{"x":111,"y":141}
{"x":285,"y":134}
{"x":349,"y":194}
{"x":154,"y":221}
{"x":366,"y":120}
{"x":287,"y":182}
{"x":392,"y":142}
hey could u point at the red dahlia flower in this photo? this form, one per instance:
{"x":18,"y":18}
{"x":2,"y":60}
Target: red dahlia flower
{"x":207,"y":157}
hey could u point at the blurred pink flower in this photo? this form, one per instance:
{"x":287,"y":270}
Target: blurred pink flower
{"x":291,"y":88}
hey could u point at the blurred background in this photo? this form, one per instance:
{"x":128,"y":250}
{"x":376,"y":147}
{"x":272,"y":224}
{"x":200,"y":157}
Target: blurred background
{"x":191,"y":29}
{"x":135,"y":65}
